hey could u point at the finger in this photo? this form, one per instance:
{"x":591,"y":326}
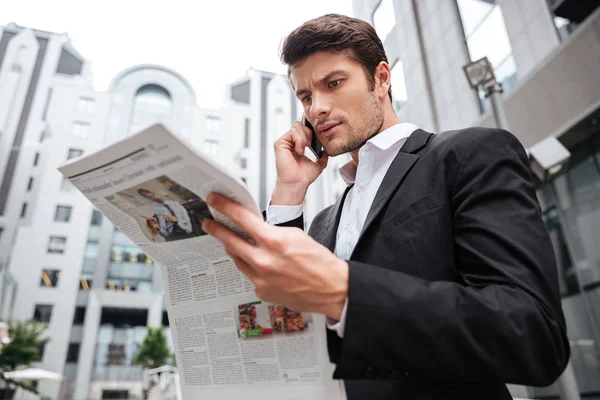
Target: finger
{"x":243,"y":266}
{"x":234,"y":245}
{"x":238,"y":214}
{"x":288,"y":141}
{"x":323,"y":160}
{"x":301,"y":136}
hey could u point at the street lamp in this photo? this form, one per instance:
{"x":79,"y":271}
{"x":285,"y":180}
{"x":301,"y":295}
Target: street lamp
{"x":480,"y":75}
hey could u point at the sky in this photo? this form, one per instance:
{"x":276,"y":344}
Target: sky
{"x":210,"y":43}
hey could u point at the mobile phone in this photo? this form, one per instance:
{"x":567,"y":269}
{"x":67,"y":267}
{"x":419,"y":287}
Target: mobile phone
{"x":315,"y":146}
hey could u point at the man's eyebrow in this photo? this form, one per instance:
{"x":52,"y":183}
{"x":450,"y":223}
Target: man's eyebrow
{"x":327,"y":77}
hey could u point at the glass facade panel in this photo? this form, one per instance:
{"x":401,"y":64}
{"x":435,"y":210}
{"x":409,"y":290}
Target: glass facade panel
{"x":384,"y":18}
{"x":115,"y":351}
{"x":571,"y":209}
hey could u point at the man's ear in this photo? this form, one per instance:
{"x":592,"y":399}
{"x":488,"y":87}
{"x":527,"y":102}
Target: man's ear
{"x":383,"y":78}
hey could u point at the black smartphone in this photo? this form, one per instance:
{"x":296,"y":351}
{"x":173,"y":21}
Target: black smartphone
{"x":315,"y":146}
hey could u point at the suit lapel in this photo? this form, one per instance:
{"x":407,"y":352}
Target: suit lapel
{"x":398,"y":170}
{"x":330,"y":229}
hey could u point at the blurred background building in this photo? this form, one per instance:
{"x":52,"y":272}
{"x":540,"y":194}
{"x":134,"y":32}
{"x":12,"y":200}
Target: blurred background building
{"x":63,"y":264}
{"x":546,"y":54}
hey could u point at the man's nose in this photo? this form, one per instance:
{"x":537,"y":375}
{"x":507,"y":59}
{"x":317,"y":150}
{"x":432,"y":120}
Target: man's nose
{"x":320,"y":107}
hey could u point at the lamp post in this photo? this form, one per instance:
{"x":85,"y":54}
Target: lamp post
{"x":547,"y":158}
{"x":480,"y":75}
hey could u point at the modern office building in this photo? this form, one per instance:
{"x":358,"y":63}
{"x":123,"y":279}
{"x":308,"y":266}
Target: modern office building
{"x":30,"y":61}
{"x":546,"y":53}
{"x":62,"y":263}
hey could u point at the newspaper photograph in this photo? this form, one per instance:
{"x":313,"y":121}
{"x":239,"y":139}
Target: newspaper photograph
{"x":228,"y":343}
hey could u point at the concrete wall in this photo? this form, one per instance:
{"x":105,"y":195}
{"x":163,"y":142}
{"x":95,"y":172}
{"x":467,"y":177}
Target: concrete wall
{"x":561,"y":90}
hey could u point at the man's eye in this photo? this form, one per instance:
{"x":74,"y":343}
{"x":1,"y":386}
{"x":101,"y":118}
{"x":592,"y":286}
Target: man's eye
{"x":334,"y":83}
{"x":306,"y":98}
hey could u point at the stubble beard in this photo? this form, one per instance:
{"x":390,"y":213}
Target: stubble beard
{"x":363,"y":128}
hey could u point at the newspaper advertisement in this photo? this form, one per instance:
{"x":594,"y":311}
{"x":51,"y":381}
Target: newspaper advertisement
{"x":228,"y":344}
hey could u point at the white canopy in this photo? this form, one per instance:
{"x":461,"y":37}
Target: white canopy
{"x":33,"y":374}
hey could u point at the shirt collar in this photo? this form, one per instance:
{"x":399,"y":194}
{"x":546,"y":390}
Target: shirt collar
{"x":383,"y":141}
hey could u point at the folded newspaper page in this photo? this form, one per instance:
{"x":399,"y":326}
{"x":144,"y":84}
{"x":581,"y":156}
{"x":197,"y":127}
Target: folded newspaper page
{"x":228,"y":344}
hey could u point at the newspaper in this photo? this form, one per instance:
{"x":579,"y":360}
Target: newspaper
{"x":228,"y":344}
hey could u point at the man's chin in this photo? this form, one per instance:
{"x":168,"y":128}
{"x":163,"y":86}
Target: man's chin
{"x":337,"y":149}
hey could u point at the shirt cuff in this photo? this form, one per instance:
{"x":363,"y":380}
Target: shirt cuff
{"x":340,"y":325}
{"x":280,"y":214}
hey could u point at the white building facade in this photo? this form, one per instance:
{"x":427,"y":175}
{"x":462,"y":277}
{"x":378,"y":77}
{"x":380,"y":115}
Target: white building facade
{"x":546,"y":54}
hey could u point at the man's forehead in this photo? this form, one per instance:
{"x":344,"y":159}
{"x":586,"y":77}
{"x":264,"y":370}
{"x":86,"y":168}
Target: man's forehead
{"x":318,"y":66}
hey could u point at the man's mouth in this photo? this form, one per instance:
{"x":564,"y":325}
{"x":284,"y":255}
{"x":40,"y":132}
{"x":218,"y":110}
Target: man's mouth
{"x":328,"y":128}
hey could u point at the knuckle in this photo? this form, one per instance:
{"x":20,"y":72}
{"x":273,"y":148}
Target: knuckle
{"x":275,"y":240}
{"x":262,"y":263}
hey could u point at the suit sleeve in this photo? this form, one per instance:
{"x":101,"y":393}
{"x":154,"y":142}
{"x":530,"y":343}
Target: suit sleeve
{"x":502,"y":321}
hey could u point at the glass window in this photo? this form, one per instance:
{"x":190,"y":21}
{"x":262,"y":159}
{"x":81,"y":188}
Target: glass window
{"x":568,"y":15}
{"x":384,"y":18}
{"x":74,"y":153}
{"x":24,"y":210}
{"x":213,"y":123}
{"x":243,"y":163}
{"x":73,"y":353}
{"x":30,"y":184}
{"x":50,"y":277}
{"x":398,"y":86}
{"x":247,"y":133}
{"x":96,"y":218}
{"x":152,"y":105}
{"x":79,"y":316}
{"x":85,"y":104}
{"x":486,"y":36}
{"x":57,"y":244}
{"x":211,"y":146}
{"x":41,"y":349}
{"x":63,"y":213}
{"x":36,"y":159}
{"x":115,"y":394}
{"x":91,"y":250}
{"x":42,"y":313}
{"x":81,"y":129}
{"x":572,"y":215}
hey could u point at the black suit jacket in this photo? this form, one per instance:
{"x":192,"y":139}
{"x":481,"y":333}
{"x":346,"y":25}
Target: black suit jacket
{"x":453,"y":286}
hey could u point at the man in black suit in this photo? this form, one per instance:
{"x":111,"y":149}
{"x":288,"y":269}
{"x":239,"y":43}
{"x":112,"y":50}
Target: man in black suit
{"x":434,"y":268}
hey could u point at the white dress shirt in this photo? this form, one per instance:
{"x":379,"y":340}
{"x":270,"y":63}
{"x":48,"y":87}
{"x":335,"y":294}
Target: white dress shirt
{"x":374,"y":160}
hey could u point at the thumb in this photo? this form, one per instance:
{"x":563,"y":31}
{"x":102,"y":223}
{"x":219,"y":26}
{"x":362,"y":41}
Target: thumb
{"x":323,"y":160}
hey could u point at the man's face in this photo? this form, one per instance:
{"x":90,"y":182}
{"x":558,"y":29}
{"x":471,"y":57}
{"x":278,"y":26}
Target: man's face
{"x":338,"y":101}
{"x":153,"y":197}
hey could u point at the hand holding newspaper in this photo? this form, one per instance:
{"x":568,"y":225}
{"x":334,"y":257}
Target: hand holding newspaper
{"x":227,"y":342}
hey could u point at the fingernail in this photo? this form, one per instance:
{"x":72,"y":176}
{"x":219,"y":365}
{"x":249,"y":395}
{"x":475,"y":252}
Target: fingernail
{"x":205,"y":225}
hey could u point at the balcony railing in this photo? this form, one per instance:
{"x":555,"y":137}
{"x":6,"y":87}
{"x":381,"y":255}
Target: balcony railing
{"x":117,"y":373}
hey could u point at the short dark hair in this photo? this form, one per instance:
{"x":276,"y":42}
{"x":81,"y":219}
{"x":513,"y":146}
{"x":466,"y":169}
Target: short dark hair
{"x":143,"y":192}
{"x":336,"y":33}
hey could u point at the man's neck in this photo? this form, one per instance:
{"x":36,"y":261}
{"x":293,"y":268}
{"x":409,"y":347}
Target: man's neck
{"x":388,"y":121}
